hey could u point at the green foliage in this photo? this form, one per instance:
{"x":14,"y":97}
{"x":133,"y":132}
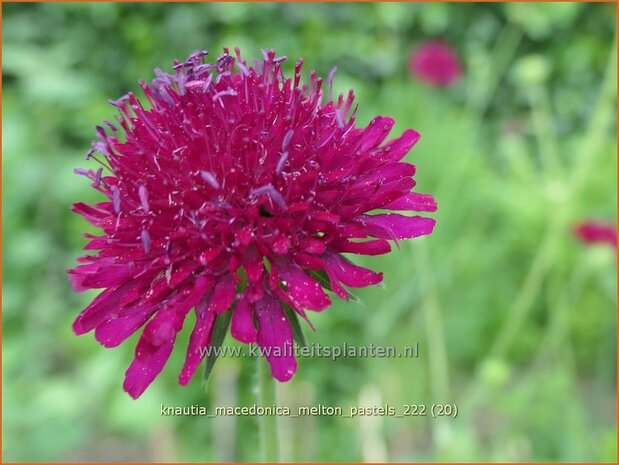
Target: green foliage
{"x":515,"y":318}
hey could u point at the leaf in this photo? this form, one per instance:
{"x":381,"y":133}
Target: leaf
{"x":220,"y":329}
{"x":322,"y":278}
{"x":297,"y":331}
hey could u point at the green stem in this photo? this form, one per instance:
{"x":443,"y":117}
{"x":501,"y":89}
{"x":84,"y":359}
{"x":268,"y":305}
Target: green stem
{"x":483,"y":91}
{"x":438,"y":363}
{"x":541,"y":114}
{"x":267,"y":397}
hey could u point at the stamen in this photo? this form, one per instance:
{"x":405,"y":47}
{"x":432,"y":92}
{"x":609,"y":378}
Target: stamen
{"x":181,"y":81}
{"x":143,"y":194}
{"x":271,"y":192}
{"x":330,"y":81}
{"x":282,"y":161}
{"x":349,"y":99}
{"x":339,"y":119}
{"x":101,"y":132}
{"x":168,"y":274}
{"x":98,"y":174}
{"x":119,"y":103}
{"x":162,"y":77}
{"x":240,"y":63}
{"x":116,"y":199}
{"x":287,"y":139}
{"x":145,"y":240}
{"x":196,"y":83}
{"x":101,"y":148}
{"x":297,"y":72}
{"x":222,"y":75}
{"x":207,"y":84}
{"x":196,"y":56}
{"x":209,"y":179}
{"x":223,"y":93}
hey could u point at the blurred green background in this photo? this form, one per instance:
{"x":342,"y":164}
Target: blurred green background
{"x":515,"y":318}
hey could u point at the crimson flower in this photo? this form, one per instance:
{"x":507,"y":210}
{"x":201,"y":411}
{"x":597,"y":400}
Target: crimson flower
{"x":235,"y":192}
{"x":592,"y":232}
{"x":435,"y":63}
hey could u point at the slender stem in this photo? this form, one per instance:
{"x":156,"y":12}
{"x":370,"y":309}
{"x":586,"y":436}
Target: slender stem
{"x":438,"y":363}
{"x":483,"y":90}
{"x":267,"y":397}
{"x":541,"y":115}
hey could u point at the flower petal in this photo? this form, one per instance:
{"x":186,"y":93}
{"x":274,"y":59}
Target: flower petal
{"x":304,"y":291}
{"x":91,"y":213}
{"x":242,"y":327}
{"x":398,"y":148}
{"x":102,"y":307}
{"x":95,"y":276}
{"x":224,"y":294}
{"x":152,"y":352}
{"x":275,"y":338}
{"x":414,"y":201}
{"x":350,"y":274}
{"x":394,"y":226}
{"x":116,"y":330}
{"x":373,"y":247}
{"x":157,"y":340}
{"x":375,"y":133}
{"x":199,"y":340}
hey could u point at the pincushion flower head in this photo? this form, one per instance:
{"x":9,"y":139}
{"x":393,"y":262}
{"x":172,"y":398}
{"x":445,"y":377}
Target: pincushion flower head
{"x":234,"y":192}
{"x":435,"y":63}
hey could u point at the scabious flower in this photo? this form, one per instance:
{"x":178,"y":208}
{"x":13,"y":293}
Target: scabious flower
{"x":591,"y":232}
{"x":235,"y":192}
{"x":435,"y":63}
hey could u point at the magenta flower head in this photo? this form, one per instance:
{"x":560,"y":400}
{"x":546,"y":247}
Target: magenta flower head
{"x":592,"y":232}
{"x":435,"y":63}
{"x":235,"y":192}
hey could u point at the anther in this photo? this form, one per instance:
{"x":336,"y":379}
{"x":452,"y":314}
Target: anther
{"x":145,"y":240}
{"x":116,"y":199}
{"x":143,"y":194}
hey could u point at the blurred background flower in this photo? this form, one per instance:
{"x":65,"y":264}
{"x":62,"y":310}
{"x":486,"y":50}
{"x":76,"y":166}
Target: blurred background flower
{"x":435,"y":63}
{"x":592,"y":232}
{"x":515,"y":324}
